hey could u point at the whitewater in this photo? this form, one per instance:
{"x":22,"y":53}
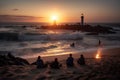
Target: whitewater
{"x":34,"y":42}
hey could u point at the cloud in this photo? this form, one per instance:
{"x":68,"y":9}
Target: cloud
{"x":19,"y":18}
{"x":15,"y":9}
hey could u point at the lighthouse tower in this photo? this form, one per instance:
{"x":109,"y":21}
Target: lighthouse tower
{"x":82,"y":19}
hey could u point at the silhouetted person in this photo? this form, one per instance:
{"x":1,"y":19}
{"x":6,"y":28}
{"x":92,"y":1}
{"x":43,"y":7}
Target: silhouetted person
{"x":72,"y":45}
{"x":39,"y":62}
{"x":55,"y":64}
{"x":81,"y":60}
{"x":99,"y":42}
{"x":69,"y":61}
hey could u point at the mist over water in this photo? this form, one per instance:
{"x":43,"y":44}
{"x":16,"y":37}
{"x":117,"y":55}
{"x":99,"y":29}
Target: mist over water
{"x":34,"y":42}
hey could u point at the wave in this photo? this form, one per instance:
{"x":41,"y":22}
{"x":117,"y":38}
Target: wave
{"x":64,"y":36}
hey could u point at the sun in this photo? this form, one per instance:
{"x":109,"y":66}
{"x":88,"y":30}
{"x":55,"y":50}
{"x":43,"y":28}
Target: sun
{"x":54,"y":18}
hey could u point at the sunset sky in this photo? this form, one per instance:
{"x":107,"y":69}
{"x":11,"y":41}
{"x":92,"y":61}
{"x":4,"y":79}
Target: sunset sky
{"x":65,"y":10}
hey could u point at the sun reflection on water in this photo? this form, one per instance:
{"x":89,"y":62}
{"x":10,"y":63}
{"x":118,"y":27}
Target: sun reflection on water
{"x":98,"y":55}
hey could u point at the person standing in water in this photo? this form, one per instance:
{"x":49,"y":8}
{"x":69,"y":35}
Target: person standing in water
{"x":99,"y":42}
{"x":72,"y":45}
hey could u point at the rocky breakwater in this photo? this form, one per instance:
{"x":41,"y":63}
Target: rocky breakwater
{"x":9,"y":59}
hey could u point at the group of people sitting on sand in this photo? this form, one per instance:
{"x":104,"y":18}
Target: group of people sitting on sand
{"x":56,"y":65}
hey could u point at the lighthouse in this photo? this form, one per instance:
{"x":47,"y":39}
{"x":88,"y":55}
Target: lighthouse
{"x":82,"y":20}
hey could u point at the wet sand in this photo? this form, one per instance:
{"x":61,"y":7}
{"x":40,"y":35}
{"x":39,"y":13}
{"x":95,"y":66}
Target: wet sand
{"x":87,"y":54}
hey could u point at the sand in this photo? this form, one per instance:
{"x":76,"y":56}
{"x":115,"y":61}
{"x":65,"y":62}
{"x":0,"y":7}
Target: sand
{"x":105,"y":68}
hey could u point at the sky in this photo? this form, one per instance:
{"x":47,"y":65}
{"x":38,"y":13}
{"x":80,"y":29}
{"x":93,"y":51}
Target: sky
{"x":65,"y":10}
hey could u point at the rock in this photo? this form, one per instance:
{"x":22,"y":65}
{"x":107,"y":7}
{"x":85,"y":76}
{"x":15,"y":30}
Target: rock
{"x":21,"y":61}
{"x":12,"y":60}
{"x":85,"y":28}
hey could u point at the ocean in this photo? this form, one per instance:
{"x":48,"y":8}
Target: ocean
{"x":34,"y":41}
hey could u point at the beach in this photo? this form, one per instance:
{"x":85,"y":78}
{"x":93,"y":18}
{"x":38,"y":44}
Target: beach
{"x":59,"y":40}
{"x":104,"y":68}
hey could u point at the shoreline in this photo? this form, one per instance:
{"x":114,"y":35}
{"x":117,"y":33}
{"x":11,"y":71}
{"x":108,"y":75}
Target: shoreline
{"x":88,"y":54}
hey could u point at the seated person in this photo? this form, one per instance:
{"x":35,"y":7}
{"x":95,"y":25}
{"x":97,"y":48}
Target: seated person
{"x":81,"y":60}
{"x":69,"y":61}
{"x":40,"y":63}
{"x":55,"y":64}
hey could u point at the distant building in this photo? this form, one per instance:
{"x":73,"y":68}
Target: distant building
{"x":82,"y":20}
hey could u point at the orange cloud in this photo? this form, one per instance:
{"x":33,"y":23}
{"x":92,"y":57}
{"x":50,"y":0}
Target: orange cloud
{"x":19,"y":18}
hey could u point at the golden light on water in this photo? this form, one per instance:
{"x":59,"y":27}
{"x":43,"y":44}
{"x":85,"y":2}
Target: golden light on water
{"x":98,"y":55}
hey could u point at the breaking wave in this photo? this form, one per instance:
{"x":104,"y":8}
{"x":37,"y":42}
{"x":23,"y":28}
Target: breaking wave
{"x":64,"y":36}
